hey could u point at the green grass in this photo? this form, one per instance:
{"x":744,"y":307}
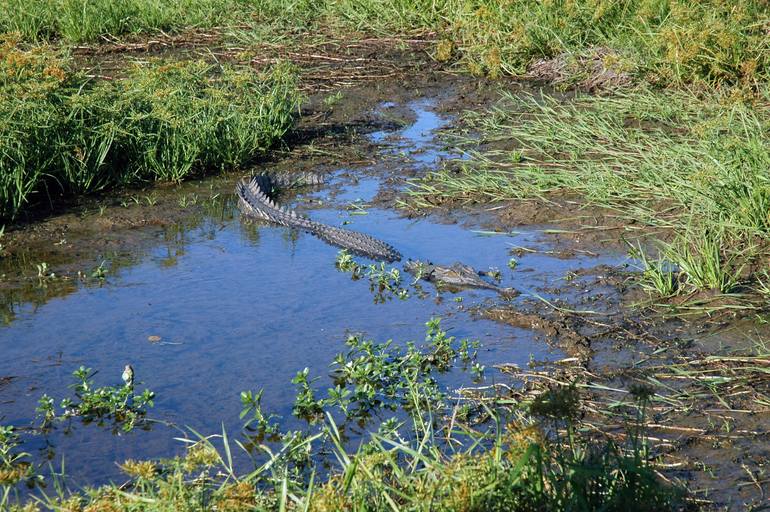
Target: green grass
{"x":518,"y":470}
{"x":694,"y":169}
{"x":63,"y":135}
{"x":79,"y":21}
{"x":659,"y":41}
{"x":93,"y":21}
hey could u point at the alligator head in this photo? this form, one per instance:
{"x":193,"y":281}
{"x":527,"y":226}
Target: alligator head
{"x":457,"y":276}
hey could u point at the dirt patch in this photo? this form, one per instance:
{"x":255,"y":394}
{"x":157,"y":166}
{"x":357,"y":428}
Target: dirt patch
{"x":706,"y":422}
{"x":556,"y":330}
{"x":326,"y":61}
{"x":333,"y":64}
{"x":600,"y":69}
{"x":529,"y":212}
{"x":158,"y":44}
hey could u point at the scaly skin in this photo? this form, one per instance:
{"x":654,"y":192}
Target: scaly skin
{"x":255,"y":201}
{"x":456,"y":276}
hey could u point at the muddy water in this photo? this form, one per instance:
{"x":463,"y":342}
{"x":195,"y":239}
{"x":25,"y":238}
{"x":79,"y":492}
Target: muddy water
{"x":236,"y":306}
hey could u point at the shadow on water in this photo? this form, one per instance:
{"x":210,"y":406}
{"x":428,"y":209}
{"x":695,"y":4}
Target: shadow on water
{"x":238,"y":306}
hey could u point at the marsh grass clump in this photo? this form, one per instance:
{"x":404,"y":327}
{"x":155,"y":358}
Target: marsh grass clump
{"x":30,"y":85}
{"x":189,"y":117}
{"x":658,"y":275}
{"x":64,"y":135}
{"x":80,"y":21}
{"x":708,"y":260}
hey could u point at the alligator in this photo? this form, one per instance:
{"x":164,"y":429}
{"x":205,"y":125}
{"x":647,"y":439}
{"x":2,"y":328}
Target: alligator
{"x":256,"y":201}
{"x":456,"y":276}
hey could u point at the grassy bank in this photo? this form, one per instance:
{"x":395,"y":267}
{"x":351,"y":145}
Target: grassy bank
{"x":694,"y":170}
{"x":64,"y":134}
{"x":662,"y":42}
{"x":659,"y":41}
{"x":437,"y":453}
{"x":78,"y":21}
{"x":93,"y":21}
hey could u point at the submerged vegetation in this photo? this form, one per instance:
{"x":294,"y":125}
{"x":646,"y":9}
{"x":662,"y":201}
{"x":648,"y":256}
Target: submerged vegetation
{"x":384,"y":283}
{"x":478,"y":454}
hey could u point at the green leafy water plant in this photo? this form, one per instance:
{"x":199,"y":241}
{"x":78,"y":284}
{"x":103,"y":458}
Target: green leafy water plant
{"x":346,"y":263}
{"x":14,"y":463}
{"x":258,"y":422}
{"x":384,"y":282}
{"x":100,"y":272}
{"x":374,"y":376}
{"x":117,"y":404}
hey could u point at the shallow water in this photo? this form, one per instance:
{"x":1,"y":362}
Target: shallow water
{"x":240,"y":306}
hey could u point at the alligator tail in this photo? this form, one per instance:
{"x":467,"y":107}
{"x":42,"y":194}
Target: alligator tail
{"x":255,"y":201}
